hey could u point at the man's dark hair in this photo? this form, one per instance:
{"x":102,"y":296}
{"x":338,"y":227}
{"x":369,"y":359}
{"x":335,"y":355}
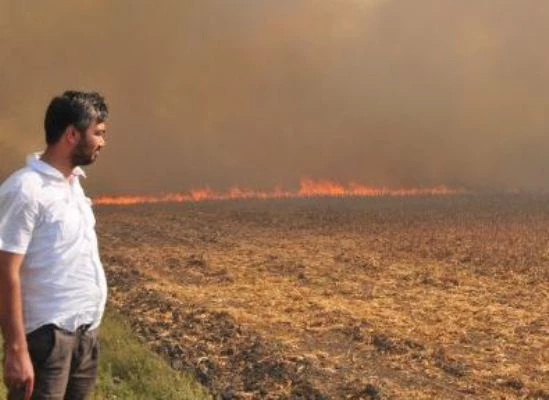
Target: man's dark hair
{"x":73,"y":108}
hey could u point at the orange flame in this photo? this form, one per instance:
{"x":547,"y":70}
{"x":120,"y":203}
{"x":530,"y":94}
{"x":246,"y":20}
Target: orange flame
{"x":308,"y":188}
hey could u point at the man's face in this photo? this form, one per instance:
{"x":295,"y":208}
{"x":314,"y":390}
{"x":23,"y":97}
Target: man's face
{"x":90,"y":143}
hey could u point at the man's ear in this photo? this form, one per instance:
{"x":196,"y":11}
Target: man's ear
{"x":72,"y":135}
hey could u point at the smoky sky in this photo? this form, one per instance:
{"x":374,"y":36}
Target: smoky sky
{"x":262,"y":93}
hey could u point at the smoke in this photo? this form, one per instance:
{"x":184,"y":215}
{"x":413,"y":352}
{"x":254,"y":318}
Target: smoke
{"x":261,"y":93}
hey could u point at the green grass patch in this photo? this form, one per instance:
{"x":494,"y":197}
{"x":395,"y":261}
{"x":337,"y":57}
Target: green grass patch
{"x":129,"y":370}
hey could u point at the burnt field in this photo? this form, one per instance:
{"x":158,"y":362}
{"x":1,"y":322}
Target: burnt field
{"x":381,"y":298}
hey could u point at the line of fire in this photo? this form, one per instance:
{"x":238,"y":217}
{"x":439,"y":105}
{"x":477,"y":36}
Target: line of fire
{"x":308,"y":188}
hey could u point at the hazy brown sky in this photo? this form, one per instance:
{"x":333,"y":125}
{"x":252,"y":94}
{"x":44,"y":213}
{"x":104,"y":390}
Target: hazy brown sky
{"x":262,"y":93}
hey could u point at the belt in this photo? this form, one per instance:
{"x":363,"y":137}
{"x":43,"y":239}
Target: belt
{"x":83,"y":328}
{"x":79,"y":331}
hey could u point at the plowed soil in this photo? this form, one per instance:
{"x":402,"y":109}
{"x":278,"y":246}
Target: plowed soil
{"x":385,"y":298}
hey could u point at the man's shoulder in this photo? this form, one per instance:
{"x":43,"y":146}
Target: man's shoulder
{"x":25,"y":182}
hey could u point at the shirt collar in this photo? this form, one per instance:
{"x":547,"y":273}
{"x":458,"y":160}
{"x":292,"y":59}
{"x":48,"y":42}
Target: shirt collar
{"x":34,"y":162}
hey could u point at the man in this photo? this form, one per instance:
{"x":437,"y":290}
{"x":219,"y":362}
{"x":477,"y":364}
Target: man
{"x":52,"y":284}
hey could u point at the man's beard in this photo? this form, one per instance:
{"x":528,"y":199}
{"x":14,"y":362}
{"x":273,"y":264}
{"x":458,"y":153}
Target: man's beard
{"x":82,"y":154}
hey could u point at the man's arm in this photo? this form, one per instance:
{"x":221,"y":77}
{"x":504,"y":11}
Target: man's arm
{"x":18,"y":370}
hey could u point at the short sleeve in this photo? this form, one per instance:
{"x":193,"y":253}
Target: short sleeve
{"x":18,"y":213}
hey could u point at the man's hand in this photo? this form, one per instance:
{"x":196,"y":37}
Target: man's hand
{"x":18,"y":371}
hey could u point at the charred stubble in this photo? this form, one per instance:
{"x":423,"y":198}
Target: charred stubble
{"x":357,"y":298}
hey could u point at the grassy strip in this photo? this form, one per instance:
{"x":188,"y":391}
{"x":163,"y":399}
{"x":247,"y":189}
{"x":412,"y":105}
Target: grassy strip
{"x":128,"y":370}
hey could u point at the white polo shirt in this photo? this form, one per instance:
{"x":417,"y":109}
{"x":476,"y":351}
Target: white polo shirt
{"x":49,"y":219}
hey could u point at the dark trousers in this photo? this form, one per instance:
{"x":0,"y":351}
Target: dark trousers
{"x":65,"y":364}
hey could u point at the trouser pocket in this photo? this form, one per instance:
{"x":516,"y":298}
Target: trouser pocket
{"x":41,"y":343}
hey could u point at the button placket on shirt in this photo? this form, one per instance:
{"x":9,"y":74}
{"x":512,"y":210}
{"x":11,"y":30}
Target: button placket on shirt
{"x":77,"y":200}
{"x":89,"y":235}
